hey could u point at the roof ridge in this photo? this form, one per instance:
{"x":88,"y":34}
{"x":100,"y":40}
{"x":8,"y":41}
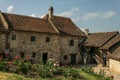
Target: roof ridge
{"x":61,"y":16}
{"x":106,"y":32}
{"x":23,"y":15}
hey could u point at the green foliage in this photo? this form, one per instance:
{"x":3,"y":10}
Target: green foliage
{"x":49,"y":70}
{"x":23,"y":67}
{"x":58,"y":71}
{"x":70,"y":72}
{"x":102,"y":74}
{"x":4,"y":66}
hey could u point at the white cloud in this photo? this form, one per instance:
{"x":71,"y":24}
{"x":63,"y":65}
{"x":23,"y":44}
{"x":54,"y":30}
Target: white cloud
{"x":10,"y":8}
{"x":76,"y":19}
{"x":90,"y":15}
{"x":42,"y":16}
{"x":33,"y":15}
{"x":108,"y":14}
{"x":70,"y":12}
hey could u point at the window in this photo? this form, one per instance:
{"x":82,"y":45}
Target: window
{"x":65,"y":57}
{"x":33,"y":55}
{"x":22,"y":55}
{"x":47,"y":39}
{"x":13,"y":37}
{"x":71,"y":42}
{"x":32,"y":38}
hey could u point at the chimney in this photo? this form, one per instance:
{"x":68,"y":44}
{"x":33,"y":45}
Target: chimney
{"x":51,"y":12}
{"x":86,"y":31}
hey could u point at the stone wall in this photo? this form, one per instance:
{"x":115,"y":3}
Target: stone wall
{"x":68,"y":50}
{"x":2,"y":42}
{"x":114,"y":66}
{"x":57,"y":48}
{"x":23,"y":44}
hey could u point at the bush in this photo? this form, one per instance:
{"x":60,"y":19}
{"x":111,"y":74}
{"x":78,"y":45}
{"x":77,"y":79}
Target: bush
{"x":58,"y":71}
{"x":23,"y":67}
{"x":70,"y":72}
{"x":43,"y":71}
{"x":4,"y":66}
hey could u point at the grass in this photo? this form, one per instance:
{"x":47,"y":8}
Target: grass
{"x":87,"y":76}
{"x":10,"y":76}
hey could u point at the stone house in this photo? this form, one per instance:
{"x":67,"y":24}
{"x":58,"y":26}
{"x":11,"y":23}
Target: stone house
{"x":98,"y":46}
{"x":40,"y":39}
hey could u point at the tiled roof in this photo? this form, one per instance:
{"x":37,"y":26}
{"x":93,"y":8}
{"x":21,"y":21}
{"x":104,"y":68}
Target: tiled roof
{"x":26,"y":23}
{"x":66,"y":26}
{"x":99,"y":39}
{"x":116,"y":54}
{"x":112,"y":42}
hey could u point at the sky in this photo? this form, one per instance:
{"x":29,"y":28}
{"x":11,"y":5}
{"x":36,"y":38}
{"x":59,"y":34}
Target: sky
{"x":95,"y":15}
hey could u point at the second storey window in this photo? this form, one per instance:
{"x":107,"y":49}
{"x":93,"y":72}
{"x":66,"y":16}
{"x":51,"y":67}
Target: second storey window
{"x":33,"y":55}
{"x":32,"y":38}
{"x":13,"y":37}
{"x":22,"y":55}
{"x":71,"y":42}
{"x":47,"y":39}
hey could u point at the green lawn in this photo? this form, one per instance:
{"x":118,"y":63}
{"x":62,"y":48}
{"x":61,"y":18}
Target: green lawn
{"x":87,"y":76}
{"x":9,"y":76}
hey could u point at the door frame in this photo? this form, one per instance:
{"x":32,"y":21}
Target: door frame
{"x":73,"y":59}
{"x":44,"y":57}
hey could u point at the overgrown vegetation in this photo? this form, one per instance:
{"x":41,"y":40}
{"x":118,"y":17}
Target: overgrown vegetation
{"x":49,"y":71}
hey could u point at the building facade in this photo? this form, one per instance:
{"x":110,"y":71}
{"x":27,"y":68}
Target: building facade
{"x":40,"y":40}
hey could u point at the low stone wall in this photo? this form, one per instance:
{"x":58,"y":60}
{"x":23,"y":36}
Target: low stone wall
{"x":114,"y":65}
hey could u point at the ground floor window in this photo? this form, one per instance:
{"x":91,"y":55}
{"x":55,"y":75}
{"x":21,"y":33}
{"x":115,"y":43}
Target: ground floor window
{"x":65,"y":57}
{"x":22,"y":55}
{"x":33,"y":55}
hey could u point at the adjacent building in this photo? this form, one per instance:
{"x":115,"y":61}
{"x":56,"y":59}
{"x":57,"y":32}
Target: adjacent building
{"x":98,"y":46}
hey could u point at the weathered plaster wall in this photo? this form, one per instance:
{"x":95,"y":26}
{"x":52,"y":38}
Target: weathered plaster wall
{"x":114,"y":66}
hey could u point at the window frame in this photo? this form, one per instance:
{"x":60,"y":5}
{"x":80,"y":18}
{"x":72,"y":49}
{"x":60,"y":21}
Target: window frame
{"x":47,"y":39}
{"x":71,"y":42}
{"x":65,"y":57}
{"x":22,"y":55}
{"x":33,"y":54}
{"x":33,"y":39}
{"x":13,"y":37}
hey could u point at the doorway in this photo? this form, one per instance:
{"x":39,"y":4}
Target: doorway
{"x":44,"y":58}
{"x":73,"y":58}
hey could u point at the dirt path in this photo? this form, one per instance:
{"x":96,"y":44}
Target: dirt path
{"x":107,"y":72}
{"x":97,"y":69}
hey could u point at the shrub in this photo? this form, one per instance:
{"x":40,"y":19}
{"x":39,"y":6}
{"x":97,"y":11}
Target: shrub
{"x":4,"y":66}
{"x":23,"y":67}
{"x":70,"y":72}
{"x":43,"y":71}
{"x":58,"y":71}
